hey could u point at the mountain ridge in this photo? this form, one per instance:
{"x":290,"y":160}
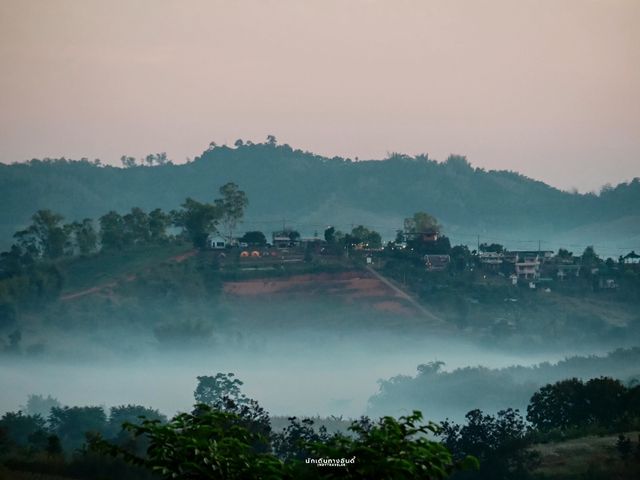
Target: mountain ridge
{"x":310,"y":191}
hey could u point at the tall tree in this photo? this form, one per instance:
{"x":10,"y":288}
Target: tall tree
{"x":72,"y":424}
{"x":362,"y":235}
{"x":590,"y":258}
{"x":330,"y":235}
{"x":198,"y":220}
{"x":19,"y":427}
{"x":161,"y":159}
{"x":254,"y":238}
{"x":112,"y":230}
{"x":158,"y":223}
{"x":423,"y":234}
{"x":128,"y":162}
{"x":85,"y":236}
{"x":499,"y":442}
{"x":232,"y":205}
{"x":421,"y":222}
{"x":46,"y":236}
{"x":40,"y":405}
{"x":136,"y":227}
{"x":131,"y":414}
{"x":214,"y":391}
{"x":558,"y":405}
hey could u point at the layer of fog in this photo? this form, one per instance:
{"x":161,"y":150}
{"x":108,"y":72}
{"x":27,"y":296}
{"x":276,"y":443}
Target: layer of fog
{"x":307,"y":374}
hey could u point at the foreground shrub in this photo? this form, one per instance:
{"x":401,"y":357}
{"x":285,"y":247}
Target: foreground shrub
{"x":215,"y":444}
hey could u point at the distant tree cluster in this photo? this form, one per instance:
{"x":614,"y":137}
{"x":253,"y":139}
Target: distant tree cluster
{"x":199,"y":220}
{"x":29,"y":271}
{"x":493,"y":248}
{"x":153,"y":159}
{"x":573,"y":403}
{"x":66,"y":428}
{"x":360,"y":237}
{"x":499,"y":442}
{"x":254,"y":237}
{"x":502,"y":442}
{"x":48,"y":238}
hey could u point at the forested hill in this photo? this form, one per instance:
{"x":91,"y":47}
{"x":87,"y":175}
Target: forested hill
{"x":311,"y":191}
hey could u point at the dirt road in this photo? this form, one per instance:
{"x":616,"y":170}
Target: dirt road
{"x":431,"y":316}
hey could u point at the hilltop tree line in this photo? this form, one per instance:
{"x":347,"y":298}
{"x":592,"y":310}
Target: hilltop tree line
{"x":29,"y":272}
{"x":49,"y":238}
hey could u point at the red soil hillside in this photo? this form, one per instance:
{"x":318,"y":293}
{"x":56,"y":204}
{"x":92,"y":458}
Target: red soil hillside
{"x":348,"y":287}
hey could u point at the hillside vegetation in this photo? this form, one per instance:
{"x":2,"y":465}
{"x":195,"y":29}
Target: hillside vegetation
{"x":310,"y":190}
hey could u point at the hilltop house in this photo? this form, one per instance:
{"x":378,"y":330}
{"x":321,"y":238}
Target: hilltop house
{"x":526,"y":263}
{"x":283,"y":239}
{"x":491,"y":260}
{"x":631,"y":257}
{"x":542,"y":256}
{"x":216,"y":242}
{"x":528,"y":268}
{"x":510,"y":257}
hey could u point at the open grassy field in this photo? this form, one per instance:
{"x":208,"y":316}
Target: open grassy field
{"x":590,"y":457}
{"x":107,"y":267}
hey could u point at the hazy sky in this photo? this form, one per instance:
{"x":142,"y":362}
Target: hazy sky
{"x":550,"y":88}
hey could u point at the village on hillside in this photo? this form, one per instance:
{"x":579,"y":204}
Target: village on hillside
{"x":424,"y":245}
{"x":52,"y":260}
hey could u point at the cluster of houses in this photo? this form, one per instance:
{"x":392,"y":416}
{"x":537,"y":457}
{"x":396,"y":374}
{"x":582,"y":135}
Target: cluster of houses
{"x":521,"y":264}
{"x":528,"y":266}
{"x":534,"y":267}
{"x":543,"y":266}
{"x":279,"y":242}
{"x":217,"y":242}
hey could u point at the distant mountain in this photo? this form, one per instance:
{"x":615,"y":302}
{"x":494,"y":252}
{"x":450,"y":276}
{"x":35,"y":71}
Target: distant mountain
{"x":308,"y":192}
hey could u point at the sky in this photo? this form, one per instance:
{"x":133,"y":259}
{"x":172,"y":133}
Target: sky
{"x":548,"y":88}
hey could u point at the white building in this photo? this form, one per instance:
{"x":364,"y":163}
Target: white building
{"x":216,"y":242}
{"x":528,"y":269}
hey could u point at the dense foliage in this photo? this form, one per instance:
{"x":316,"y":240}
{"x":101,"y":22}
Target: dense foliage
{"x":213,"y":444}
{"x":573,"y":403}
{"x":499,"y":442}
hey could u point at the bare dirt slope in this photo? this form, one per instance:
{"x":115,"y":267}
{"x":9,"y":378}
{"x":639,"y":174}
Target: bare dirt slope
{"x":345,"y":287}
